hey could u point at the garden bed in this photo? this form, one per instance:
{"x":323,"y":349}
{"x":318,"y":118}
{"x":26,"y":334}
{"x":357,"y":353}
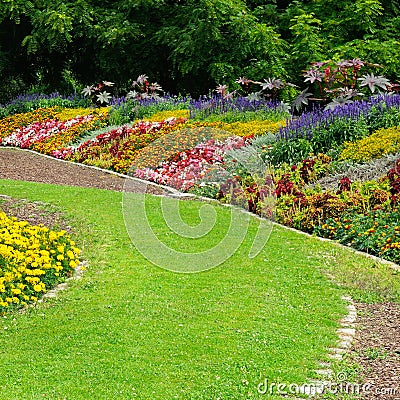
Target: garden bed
{"x":33,"y":167}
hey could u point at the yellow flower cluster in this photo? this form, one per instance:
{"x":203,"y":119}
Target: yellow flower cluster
{"x":162,"y":115}
{"x":33,"y":259}
{"x":254,"y":127}
{"x":381,"y":142}
{"x":64,"y":114}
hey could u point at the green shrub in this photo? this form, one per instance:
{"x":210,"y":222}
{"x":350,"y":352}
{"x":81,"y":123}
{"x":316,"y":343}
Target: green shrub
{"x":340,"y":130}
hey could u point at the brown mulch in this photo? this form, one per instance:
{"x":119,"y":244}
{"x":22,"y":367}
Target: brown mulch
{"x":377,"y":349}
{"x":377,"y":343}
{"x":27,"y":166}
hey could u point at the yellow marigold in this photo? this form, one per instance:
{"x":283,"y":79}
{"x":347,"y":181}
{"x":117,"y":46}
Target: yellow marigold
{"x":29,"y":254}
{"x":163,"y":115}
{"x":254,"y":127}
{"x":39,"y":287}
{"x":381,"y":142}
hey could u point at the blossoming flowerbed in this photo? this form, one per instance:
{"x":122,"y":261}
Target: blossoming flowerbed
{"x":170,"y":147}
{"x":47,"y":130}
{"x":33,"y":259}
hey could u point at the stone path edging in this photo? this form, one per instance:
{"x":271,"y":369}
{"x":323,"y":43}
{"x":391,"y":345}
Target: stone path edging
{"x":346,"y":334}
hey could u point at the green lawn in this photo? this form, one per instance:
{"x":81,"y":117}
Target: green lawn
{"x":131,"y":330}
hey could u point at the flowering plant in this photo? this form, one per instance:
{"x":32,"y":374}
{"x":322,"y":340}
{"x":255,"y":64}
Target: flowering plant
{"x":341,"y":82}
{"x":143,"y":89}
{"x":32,"y":260}
{"x":376,"y":232}
{"x":98,"y":93}
{"x":189,"y":167}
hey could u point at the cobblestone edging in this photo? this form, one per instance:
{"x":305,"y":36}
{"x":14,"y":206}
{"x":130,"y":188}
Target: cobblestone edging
{"x":346,"y":334}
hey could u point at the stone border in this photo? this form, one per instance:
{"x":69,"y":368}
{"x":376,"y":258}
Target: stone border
{"x":346,"y":334}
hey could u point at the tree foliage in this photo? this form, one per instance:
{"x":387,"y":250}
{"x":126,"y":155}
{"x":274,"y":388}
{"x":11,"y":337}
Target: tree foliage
{"x":188,"y":46}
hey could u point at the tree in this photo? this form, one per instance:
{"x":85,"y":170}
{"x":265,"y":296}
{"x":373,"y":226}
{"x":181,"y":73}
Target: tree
{"x":216,"y":41}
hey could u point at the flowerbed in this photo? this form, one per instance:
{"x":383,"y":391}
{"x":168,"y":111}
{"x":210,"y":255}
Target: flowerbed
{"x":171,"y":149}
{"x":33,"y":259}
{"x":118,"y":148}
{"x":326,"y":130}
{"x":189,"y":167}
{"x":376,"y":232}
{"x":10,"y":124}
{"x":53,"y":128}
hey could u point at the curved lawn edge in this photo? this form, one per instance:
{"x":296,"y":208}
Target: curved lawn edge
{"x":129,"y":322}
{"x":181,"y":195}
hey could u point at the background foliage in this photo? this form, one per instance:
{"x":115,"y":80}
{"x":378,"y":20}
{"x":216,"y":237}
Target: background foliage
{"x":188,"y":46}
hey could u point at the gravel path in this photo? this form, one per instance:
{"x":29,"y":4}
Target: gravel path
{"x":377,"y":342}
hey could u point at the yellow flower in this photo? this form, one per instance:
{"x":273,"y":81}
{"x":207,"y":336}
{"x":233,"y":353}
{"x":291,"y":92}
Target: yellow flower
{"x":29,"y":254}
{"x":37,"y":288}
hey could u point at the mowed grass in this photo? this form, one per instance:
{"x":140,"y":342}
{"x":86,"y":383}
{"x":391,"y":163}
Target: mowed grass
{"x":131,"y":330}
